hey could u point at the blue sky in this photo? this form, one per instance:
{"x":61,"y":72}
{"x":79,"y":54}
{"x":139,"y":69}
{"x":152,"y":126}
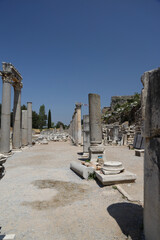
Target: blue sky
{"x":65,"y":49}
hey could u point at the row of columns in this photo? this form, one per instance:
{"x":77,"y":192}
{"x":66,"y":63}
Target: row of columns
{"x":92,"y":129}
{"x":19,"y":138}
{"x":75,"y":129}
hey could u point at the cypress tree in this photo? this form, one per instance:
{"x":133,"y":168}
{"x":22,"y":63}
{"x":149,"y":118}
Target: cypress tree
{"x":49,"y":119}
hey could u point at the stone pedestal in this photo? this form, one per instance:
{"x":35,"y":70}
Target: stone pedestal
{"x":96,"y":147}
{"x":151,"y":132}
{"x":29,"y":122}
{"x":24,"y":128}
{"x":86,"y":134}
{"x":16,"y":144}
{"x":5,"y":116}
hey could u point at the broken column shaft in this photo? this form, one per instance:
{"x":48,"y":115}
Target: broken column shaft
{"x":95,"y":127}
{"x":86,"y":135}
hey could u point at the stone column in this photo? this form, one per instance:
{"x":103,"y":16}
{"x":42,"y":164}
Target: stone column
{"x":5,"y":115}
{"x":75,"y":127}
{"x":16,"y":144}
{"x":115,"y":134}
{"x":151,"y":132}
{"x":29,"y":122}
{"x":78,"y":124}
{"x":24,"y":128}
{"x":96,"y":147}
{"x":86,"y":135}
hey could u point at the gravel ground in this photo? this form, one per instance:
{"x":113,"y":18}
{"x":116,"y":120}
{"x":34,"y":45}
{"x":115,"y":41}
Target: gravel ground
{"x":42,"y":199}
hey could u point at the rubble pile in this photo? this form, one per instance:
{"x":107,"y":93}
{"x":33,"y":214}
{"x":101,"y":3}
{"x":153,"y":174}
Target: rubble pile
{"x":115,"y":134}
{"x":51,"y":135}
{"x":3,"y":159}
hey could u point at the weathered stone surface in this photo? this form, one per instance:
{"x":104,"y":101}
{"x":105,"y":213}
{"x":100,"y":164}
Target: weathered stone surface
{"x":82,"y":170}
{"x":95,"y":119}
{"x":139,"y":141}
{"x":139,"y":152}
{"x":152,"y":189}
{"x":151,"y":132}
{"x":117,"y":178}
{"x":151,"y":103}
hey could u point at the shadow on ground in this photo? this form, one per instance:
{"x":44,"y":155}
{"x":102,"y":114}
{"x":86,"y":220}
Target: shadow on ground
{"x":129,"y":217}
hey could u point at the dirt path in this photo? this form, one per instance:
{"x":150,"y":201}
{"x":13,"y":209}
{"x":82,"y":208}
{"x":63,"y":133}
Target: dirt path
{"x":42,"y":199}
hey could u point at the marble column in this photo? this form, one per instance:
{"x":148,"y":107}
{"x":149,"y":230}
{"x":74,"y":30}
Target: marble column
{"x":79,"y":128}
{"x":151,"y":133}
{"x":16,"y":144}
{"x":24,"y":128}
{"x":5,"y":115}
{"x":96,"y":147}
{"x":115,"y":134}
{"x":29,"y":122}
{"x":86,"y":135}
{"x":75,"y":128}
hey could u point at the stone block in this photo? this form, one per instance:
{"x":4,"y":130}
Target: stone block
{"x":95,"y":151}
{"x":139,"y":152}
{"x":81,"y":170}
{"x":139,"y":141}
{"x":135,"y":140}
{"x":114,"y":179}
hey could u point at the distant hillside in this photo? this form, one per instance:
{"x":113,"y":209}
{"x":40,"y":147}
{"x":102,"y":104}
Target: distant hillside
{"x":123,"y":108}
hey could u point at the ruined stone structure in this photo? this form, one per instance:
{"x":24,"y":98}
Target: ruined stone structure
{"x":11,"y":77}
{"x":75,"y":129}
{"x":151,"y":133}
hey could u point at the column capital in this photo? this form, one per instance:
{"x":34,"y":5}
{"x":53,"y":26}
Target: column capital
{"x":17,"y":85}
{"x":6,"y":78}
{"x":78,"y":105}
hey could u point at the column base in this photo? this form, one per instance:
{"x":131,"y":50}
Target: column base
{"x":95,"y":151}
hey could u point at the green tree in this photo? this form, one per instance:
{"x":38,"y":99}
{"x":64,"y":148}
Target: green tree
{"x":49,"y":119}
{"x":42,"y":117}
{"x":58,"y":124}
{"x":23,"y":107}
{"x":35,"y":120}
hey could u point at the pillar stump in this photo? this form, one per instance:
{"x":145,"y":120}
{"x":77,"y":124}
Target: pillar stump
{"x":96,"y":147}
{"x":24,"y":128}
{"x":86,"y":134}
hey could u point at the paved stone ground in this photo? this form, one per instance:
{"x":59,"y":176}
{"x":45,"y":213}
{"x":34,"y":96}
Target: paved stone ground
{"x":42,"y":199}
